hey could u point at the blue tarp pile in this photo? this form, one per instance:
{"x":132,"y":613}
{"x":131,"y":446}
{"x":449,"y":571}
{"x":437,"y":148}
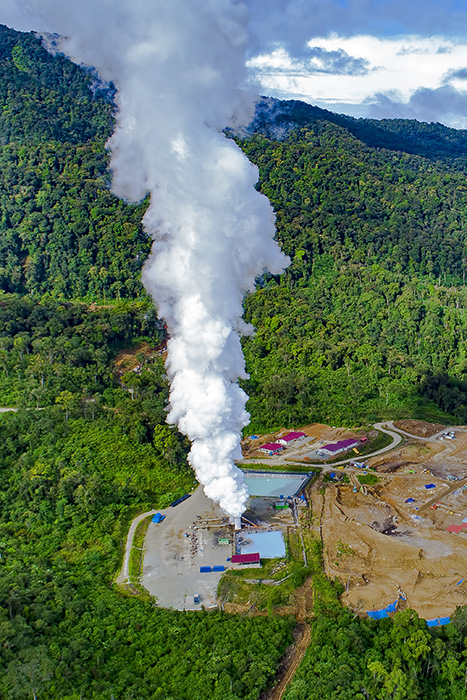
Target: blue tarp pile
{"x":379,"y":614}
{"x":438,"y":621}
{"x":410,"y":500}
{"x":430,"y":486}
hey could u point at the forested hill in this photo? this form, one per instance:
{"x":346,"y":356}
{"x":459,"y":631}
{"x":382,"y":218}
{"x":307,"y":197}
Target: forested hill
{"x":45,"y":97}
{"x":276,"y":118}
{"x":356,"y":188}
{"x":61,"y":231}
{"x":370,"y":318}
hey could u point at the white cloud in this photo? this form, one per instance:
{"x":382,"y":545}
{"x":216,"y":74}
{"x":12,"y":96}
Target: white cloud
{"x":369,"y":67}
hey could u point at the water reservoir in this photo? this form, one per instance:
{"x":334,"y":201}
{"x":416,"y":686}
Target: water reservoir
{"x":275,"y":484}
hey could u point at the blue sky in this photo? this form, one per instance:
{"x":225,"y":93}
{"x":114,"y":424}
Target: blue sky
{"x":377,"y":58}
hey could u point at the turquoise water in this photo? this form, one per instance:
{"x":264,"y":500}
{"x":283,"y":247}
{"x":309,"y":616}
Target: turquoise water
{"x":274,"y":485}
{"x":269,"y":544}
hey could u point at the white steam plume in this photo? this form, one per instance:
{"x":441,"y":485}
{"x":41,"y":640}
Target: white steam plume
{"x":179,"y":67}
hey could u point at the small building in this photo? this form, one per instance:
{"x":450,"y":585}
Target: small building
{"x":246,"y":558}
{"x":271,"y":448}
{"x":281,"y":505}
{"x":290,"y":438}
{"x":337,"y":447}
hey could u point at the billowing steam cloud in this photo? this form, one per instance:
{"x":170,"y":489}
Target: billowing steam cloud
{"x":178,"y":67}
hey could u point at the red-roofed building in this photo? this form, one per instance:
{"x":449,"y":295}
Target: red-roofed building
{"x":338,"y":447}
{"x":290,"y":438}
{"x":246,"y":558}
{"x":457,"y":528}
{"x":271,"y":448}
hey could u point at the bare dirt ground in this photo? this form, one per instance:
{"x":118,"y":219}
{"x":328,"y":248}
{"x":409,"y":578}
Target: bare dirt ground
{"x":413,"y":454}
{"x":419,"y":427}
{"x":126,"y":360}
{"x":380,"y":546}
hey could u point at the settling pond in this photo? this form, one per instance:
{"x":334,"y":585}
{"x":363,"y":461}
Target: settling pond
{"x":275,"y":484}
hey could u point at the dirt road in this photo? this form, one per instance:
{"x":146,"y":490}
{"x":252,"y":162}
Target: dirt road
{"x":439,"y":498}
{"x":430,"y":438}
{"x":297,"y":652}
{"x":297,"y":649}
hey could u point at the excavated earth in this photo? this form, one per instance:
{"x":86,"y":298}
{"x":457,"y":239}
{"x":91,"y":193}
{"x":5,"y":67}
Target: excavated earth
{"x":382,"y":547}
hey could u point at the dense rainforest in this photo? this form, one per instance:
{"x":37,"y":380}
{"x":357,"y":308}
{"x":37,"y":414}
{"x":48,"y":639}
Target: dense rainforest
{"x":368,"y":321}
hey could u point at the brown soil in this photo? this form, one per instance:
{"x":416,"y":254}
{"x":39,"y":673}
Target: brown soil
{"x":126,"y":360}
{"x":419,"y":428}
{"x":379,"y":547}
{"x":413,"y":454}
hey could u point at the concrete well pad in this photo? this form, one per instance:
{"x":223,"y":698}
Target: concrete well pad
{"x":176,"y":549}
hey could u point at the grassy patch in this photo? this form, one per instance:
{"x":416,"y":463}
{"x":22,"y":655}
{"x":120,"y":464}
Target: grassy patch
{"x":368,"y":479}
{"x":289,"y":467}
{"x":344,"y":550}
{"x":136,"y":554}
{"x":267,"y":588}
{"x":431,"y":413}
{"x":381,"y":441}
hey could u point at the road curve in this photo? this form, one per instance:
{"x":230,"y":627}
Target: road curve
{"x":124,"y":575}
{"x":445,"y":429}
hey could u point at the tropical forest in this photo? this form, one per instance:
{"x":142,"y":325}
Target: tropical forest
{"x":368,"y":322}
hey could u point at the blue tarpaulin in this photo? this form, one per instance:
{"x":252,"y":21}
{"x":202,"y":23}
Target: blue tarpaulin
{"x":377,"y":614}
{"x":438,"y":621}
{"x":459,"y":582}
{"x":205,"y":569}
{"x":218,"y":568}
{"x":410,"y":500}
{"x":430,"y":486}
{"x":158,"y":518}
